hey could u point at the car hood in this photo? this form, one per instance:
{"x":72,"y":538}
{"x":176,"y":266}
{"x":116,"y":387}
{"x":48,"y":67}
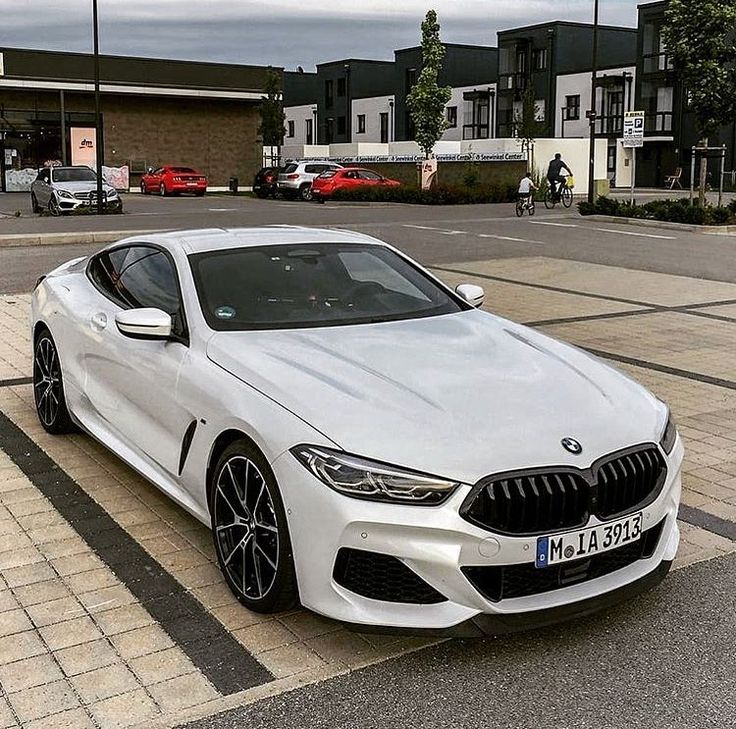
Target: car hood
{"x":461,"y":395}
{"x":80,"y":186}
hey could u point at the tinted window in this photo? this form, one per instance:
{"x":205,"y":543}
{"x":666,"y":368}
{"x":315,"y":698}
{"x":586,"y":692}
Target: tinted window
{"x":314,"y":284}
{"x":137,"y":277}
{"x":289,"y":168}
{"x":314,"y":169}
{"x":368,"y":175}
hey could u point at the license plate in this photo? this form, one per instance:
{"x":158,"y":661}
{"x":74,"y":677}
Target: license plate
{"x":566,"y":547}
{"x":192,"y":184}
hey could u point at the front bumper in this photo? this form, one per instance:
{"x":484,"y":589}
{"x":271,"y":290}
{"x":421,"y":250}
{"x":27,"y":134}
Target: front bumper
{"x":436,"y":543}
{"x":68,"y":205}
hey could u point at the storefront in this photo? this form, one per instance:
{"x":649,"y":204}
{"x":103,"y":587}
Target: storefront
{"x":153,"y":112}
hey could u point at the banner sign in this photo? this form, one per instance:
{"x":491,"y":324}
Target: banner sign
{"x":469,"y":157}
{"x":84,"y":151}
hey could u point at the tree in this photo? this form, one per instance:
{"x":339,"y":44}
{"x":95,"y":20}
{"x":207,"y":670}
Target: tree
{"x":273,"y":119}
{"x":427,"y":99}
{"x":527,"y":126}
{"x":700,"y":39}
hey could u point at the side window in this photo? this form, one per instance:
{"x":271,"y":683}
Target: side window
{"x":137,"y":277}
{"x":149,"y":280}
{"x":45,"y":175}
{"x":368,"y":175}
{"x":312,"y":169}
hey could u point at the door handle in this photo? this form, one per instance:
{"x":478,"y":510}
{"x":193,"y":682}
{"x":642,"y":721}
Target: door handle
{"x":99,"y":321}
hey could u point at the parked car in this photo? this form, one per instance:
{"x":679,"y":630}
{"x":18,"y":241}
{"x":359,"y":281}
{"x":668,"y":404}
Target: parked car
{"x":296,"y":178}
{"x":61,"y":190}
{"x":358,"y":435}
{"x":265,"y":183}
{"x":329,"y":182}
{"x":170,"y":180}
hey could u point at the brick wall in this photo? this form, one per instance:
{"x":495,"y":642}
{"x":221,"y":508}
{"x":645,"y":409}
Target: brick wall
{"x":216,"y":136}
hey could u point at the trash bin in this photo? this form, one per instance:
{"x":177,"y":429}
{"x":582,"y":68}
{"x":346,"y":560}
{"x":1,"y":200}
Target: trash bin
{"x":602,"y":188}
{"x":234,"y":185}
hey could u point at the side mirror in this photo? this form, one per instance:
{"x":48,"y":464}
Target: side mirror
{"x":144,"y":323}
{"x":471,"y":293}
{"x":150,"y":171}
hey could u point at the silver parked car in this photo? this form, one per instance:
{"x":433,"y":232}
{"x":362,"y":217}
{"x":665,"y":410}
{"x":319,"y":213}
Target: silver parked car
{"x":296,"y":178}
{"x":65,"y":189}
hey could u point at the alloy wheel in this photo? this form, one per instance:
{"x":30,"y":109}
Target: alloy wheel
{"x":47,"y":382}
{"x":246,"y":527}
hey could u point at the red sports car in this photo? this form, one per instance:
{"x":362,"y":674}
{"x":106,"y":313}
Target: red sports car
{"x":349,"y":178}
{"x":170,"y":180}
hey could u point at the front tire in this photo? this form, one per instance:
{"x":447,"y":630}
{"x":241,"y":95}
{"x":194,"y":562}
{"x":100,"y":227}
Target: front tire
{"x":250,"y":530}
{"x":567,"y":197}
{"x":162,"y":190}
{"x":53,"y":207}
{"x":144,"y":189}
{"x":48,"y":387}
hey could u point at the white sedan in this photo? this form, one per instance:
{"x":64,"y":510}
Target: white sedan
{"x":361,"y":438}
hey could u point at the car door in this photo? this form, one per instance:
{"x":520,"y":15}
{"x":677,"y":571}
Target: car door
{"x":370,"y":178}
{"x":132,"y":383}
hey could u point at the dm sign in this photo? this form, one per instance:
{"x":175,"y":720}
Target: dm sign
{"x":634,"y":129}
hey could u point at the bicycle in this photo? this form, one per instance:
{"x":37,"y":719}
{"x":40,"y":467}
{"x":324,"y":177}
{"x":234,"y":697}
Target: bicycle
{"x":564,"y":197}
{"x":522,"y":204}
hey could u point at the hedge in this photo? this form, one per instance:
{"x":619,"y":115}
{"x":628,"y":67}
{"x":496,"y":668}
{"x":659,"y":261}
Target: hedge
{"x":440,"y":195}
{"x":671,"y":211}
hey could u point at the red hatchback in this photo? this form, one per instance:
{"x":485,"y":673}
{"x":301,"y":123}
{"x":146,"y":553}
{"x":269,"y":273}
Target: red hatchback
{"x":169,"y":180}
{"x":348,"y":178}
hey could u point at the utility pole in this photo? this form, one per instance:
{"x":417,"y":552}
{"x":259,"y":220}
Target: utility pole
{"x":98,"y":121}
{"x":593,"y":106}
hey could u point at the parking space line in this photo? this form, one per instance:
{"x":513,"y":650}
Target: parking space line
{"x":589,"y":317}
{"x":709,"y":522}
{"x":228,"y":666}
{"x":16,"y":381}
{"x":557,"y":225}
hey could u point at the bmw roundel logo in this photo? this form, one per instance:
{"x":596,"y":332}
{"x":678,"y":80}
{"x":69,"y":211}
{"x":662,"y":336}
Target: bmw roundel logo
{"x":570,"y":444}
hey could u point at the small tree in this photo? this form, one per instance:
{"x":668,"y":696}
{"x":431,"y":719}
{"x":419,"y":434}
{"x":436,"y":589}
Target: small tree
{"x":273,"y":118}
{"x":427,"y":99}
{"x":527,"y":126}
{"x":699,"y":37}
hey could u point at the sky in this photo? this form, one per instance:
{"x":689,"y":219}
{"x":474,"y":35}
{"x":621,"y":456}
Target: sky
{"x":287,"y":33}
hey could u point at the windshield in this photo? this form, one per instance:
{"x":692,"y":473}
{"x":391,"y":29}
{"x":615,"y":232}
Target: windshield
{"x":313,"y":284}
{"x":73,"y":174}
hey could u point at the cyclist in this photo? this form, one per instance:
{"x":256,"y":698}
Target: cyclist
{"x":556,"y":180}
{"x":526,"y":188}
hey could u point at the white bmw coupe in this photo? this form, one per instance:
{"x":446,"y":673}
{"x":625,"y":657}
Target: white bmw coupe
{"x":360,"y":437}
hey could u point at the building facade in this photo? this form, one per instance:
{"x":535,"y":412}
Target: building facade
{"x":154,"y":112}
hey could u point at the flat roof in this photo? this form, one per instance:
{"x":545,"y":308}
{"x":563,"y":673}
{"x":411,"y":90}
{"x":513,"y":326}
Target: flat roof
{"x":53,"y":67}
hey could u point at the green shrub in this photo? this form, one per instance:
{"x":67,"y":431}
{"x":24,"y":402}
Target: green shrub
{"x":672,"y":211}
{"x":440,"y":195}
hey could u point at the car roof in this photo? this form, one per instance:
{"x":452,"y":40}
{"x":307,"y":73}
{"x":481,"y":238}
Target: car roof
{"x":213,"y":239}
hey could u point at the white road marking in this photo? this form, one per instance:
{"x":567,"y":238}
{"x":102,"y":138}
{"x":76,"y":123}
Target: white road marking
{"x":445,"y":231}
{"x":557,"y":225}
{"x":506,"y":237}
{"x":641,"y":235}
{"x":223,"y":210}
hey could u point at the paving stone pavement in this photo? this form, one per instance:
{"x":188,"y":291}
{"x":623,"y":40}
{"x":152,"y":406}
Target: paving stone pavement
{"x":80,"y":648}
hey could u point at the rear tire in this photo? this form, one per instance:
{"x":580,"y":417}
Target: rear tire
{"x":305,"y":192}
{"x":519,"y":208}
{"x":549,"y":203}
{"x":162,"y":190}
{"x":34,"y":204}
{"x":48,"y":387}
{"x":250,"y":530}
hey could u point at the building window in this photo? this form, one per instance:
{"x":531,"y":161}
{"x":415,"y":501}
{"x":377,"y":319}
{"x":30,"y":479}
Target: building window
{"x":341,"y":87}
{"x":341,"y":125}
{"x":539,"y":59}
{"x":520,"y":61}
{"x":411,"y":78}
{"x":309,"y":131}
{"x":361,"y":124}
{"x":290,"y":128}
{"x":451,"y":115}
{"x":383,"y":124}
{"x":572,"y":107}
{"x":329,"y":93}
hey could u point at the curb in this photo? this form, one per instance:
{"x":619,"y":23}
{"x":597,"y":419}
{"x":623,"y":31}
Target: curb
{"x":21,"y":240}
{"x":686,"y":227}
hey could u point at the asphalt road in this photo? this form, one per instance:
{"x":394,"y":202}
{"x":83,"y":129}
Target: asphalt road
{"x":666,"y":661}
{"x":432,"y":234}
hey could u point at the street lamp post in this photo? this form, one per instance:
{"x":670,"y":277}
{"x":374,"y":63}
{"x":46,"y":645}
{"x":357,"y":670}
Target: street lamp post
{"x":593,"y":106}
{"x":98,"y":124}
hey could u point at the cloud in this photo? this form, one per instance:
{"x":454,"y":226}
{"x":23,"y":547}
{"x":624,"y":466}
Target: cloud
{"x":277,"y":32}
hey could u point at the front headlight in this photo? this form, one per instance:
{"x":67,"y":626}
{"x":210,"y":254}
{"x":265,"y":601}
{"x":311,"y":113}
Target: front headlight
{"x":65,"y":193}
{"x":669,"y":435}
{"x":364,"y":479}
